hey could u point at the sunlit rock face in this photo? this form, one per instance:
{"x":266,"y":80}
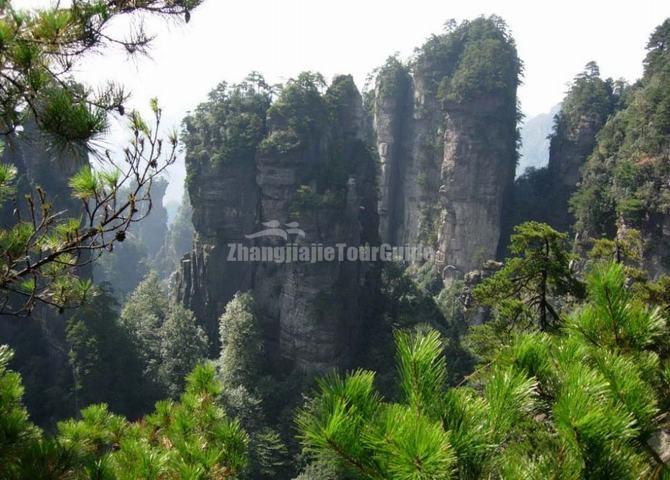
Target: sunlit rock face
{"x":445,"y":130}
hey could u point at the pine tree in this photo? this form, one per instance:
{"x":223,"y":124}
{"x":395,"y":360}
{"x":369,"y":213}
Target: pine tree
{"x":183,"y":344}
{"x":166,"y":335}
{"x":105,"y":364}
{"x":241,"y":369}
{"x":528,"y":283}
{"x":241,"y":342}
{"x":191,"y":438}
{"x":583,"y":401}
{"x":17,"y":434}
{"x":43,"y":247}
{"x":143,"y":316}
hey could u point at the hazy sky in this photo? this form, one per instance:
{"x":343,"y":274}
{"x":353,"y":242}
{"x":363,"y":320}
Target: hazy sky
{"x":227,"y":39}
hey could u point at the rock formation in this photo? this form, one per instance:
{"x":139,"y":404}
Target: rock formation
{"x":444,"y":131}
{"x":585,"y":109}
{"x":543,"y":194}
{"x":446,"y":136}
{"x":310,"y":164}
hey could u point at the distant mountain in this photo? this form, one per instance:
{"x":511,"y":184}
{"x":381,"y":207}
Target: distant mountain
{"x":535,"y":144}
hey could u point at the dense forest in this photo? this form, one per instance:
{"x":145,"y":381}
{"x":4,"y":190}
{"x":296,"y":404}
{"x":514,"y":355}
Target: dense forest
{"x":533,"y":343}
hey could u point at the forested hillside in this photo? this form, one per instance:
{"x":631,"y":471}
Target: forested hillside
{"x":530,"y":341}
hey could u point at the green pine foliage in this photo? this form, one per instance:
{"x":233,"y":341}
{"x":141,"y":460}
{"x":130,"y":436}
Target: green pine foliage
{"x":41,"y":48}
{"x":17,"y":433}
{"x":583,"y":401}
{"x":530,"y":282}
{"x":166,"y":336}
{"x":190,"y":438}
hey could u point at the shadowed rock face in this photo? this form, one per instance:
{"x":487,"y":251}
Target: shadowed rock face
{"x":311,"y":165}
{"x":448,"y":148}
{"x":225,"y":206}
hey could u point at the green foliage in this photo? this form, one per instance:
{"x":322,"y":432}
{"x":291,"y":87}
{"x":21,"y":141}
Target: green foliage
{"x":143,"y":315}
{"x":472,"y":60}
{"x":17,"y":433}
{"x":393,"y":79}
{"x":7,"y":176}
{"x":240,"y":367}
{"x":165,"y":335}
{"x":422,"y":369}
{"x":105,"y":365}
{"x":624,"y":178}
{"x":48,"y":239}
{"x":299,"y":115}
{"x":543,"y":194}
{"x":228,"y":128}
{"x":580,"y":402}
{"x":615,"y":319}
{"x":191,"y":438}
{"x":587,"y":105}
{"x":539,"y":271}
{"x":41,"y":47}
{"x":183,"y":344}
{"x":241,"y":344}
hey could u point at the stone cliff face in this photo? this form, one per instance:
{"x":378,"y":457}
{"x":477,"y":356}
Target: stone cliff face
{"x":477,"y":175}
{"x":309,"y":164}
{"x":448,"y":147}
{"x":225,"y":207}
{"x":392,"y":123}
{"x":444,"y":131}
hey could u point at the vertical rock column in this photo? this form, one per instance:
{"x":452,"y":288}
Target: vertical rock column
{"x":477,"y":173}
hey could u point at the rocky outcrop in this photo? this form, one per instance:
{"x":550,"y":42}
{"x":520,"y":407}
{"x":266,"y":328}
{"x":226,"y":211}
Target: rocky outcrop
{"x":543,"y":194}
{"x":625,"y":182}
{"x":392,"y":123}
{"x":309,"y":174}
{"x":587,"y":106}
{"x":225,"y":206}
{"x":446,"y":135}
{"x":444,"y":131}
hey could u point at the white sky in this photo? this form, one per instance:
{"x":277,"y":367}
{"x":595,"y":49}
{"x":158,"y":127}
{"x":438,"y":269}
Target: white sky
{"x":226,"y":39}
